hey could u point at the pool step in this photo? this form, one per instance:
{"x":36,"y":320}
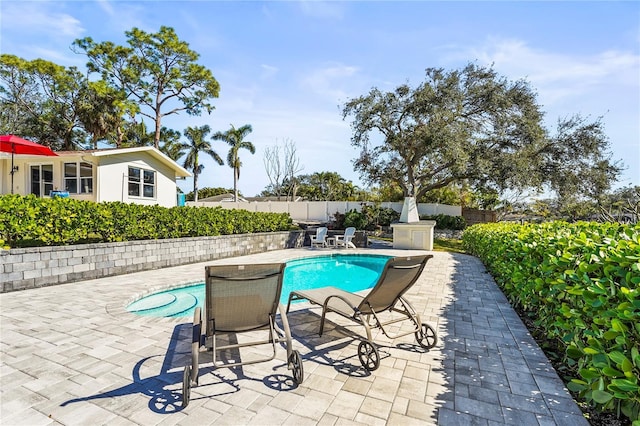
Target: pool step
{"x":182,"y":306}
{"x":152,"y":302}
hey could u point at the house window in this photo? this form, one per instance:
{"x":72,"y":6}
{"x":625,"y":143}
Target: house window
{"x":142,"y":183}
{"x":78,"y":178}
{"x":41,"y":179}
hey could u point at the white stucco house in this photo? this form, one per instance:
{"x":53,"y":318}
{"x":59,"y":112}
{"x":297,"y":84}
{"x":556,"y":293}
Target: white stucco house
{"x":141,"y":175}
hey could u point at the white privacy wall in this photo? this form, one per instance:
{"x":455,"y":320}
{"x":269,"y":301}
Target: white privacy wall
{"x":323,"y":211}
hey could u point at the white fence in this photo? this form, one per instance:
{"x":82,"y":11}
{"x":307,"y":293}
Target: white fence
{"x":323,"y":211}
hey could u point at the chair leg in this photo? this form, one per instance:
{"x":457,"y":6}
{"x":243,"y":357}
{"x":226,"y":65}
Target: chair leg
{"x":367,"y":350}
{"x":324,"y":314}
{"x":286,"y":329}
{"x":367,"y":328}
{"x":289,"y":302}
{"x":195,"y":345}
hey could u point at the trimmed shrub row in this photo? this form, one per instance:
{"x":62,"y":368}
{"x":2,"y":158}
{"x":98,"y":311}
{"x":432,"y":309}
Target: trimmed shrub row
{"x":580,"y":282}
{"x":33,"y":221}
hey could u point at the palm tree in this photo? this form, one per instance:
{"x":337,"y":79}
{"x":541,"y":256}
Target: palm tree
{"x":171,"y":145}
{"x":135,"y":134}
{"x":235,"y":138}
{"x":196,"y":136}
{"x":98,"y":111}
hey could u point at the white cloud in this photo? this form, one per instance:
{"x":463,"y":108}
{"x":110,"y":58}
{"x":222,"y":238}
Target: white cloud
{"x":557,"y":77}
{"x":268,"y":71}
{"x":322,"y":139}
{"x":105,"y":5}
{"x":330,"y":81}
{"x":123,"y":16}
{"x":64,"y":57}
{"x":266,"y":11}
{"x":40,"y":20}
{"x":322,"y":9}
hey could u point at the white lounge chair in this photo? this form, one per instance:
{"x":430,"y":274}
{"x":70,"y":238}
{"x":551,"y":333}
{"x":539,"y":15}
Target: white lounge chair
{"x":320,"y":239}
{"x":345,"y":240}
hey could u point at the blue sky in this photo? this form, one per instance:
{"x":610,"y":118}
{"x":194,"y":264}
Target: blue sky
{"x":287,"y":67}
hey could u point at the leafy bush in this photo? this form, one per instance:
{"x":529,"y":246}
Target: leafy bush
{"x":380,"y":216}
{"x":370,"y":218}
{"x":32,"y":221}
{"x":373,"y":217}
{"x":444,"y":221}
{"x":209,"y":192}
{"x":356,"y":219}
{"x":582,"y":282}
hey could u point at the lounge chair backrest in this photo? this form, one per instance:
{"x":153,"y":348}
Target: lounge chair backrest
{"x":242,"y":297}
{"x":321,"y":233}
{"x":398,"y":275}
{"x":349,"y":232}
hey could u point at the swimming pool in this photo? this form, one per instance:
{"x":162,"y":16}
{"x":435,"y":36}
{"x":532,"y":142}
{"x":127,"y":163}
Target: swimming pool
{"x":351,"y":272}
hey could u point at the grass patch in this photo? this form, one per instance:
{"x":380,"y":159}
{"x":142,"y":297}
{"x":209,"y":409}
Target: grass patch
{"x":440,"y":244}
{"x":448,"y":244}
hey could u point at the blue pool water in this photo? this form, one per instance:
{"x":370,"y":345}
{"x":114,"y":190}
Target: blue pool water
{"x":351,"y":272}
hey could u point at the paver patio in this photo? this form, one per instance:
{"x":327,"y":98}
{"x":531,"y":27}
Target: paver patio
{"x":71,"y":354}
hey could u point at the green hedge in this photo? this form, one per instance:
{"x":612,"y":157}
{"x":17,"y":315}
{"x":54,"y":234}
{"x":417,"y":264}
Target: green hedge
{"x":581,"y":281}
{"x":32,"y":221}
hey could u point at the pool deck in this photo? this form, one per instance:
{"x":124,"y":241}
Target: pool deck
{"x":72,"y":355}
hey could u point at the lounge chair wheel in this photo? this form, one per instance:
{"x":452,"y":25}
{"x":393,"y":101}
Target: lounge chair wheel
{"x":369,"y":355}
{"x":186,"y":386}
{"x":295,"y":360}
{"x":426,"y":336}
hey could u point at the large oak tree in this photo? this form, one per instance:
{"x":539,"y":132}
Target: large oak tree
{"x":472,"y":125}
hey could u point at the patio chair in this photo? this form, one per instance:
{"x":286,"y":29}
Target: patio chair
{"x":345,"y":239}
{"x":240,"y":299}
{"x":398,"y":275}
{"x":320,"y":239}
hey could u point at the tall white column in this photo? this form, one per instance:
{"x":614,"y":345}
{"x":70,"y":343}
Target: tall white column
{"x":409,"y":212}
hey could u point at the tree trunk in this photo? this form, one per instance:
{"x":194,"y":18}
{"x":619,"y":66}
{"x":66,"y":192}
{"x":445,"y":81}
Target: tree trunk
{"x":235,"y":184}
{"x":156,"y":138}
{"x":195,"y":182}
{"x":119,"y":136}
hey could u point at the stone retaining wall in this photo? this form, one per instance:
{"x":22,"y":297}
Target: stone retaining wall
{"x":44,"y":266}
{"x":448,"y":233}
{"x":437,"y":233}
